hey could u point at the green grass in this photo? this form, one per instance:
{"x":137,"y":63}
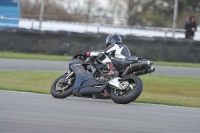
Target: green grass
{"x":33,"y":56}
{"x":177,"y":91}
{"x":67,"y":58}
{"x":171,"y":90}
{"x":27,"y":81}
{"x":178,"y":64}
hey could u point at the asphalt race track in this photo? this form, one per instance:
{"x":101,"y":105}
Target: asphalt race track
{"x":41,"y":65}
{"x":35,"y":113}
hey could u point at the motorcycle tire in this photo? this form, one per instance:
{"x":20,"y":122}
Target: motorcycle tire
{"x":132,"y":94}
{"x":62,"y":94}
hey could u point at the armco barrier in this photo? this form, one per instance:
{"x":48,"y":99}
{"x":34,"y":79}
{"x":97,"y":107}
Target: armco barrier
{"x":70,"y":43}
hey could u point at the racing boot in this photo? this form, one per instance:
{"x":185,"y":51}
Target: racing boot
{"x":112,"y":71}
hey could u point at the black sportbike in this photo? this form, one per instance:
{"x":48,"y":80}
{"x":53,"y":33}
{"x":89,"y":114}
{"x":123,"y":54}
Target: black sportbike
{"x":88,"y":78}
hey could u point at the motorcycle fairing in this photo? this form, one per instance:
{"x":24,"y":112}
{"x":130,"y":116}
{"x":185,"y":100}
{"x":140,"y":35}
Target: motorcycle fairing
{"x":84,"y":82}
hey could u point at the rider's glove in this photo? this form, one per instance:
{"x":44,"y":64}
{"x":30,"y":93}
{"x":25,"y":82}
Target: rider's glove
{"x":86,"y":54}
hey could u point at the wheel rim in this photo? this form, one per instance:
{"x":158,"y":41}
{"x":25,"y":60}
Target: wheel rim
{"x":130,"y":87}
{"x":63,"y":85}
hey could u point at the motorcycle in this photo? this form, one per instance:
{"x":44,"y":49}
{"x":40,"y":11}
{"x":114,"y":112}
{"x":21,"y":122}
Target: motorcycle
{"x":88,"y":78}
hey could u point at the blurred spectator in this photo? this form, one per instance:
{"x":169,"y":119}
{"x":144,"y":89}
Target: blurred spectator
{"x":190,"y":27}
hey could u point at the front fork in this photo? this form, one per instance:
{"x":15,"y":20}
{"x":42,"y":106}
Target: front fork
{"x":69,"y":75}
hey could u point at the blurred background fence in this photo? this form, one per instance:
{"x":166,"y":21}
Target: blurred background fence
{"x":68,"y":26}
{"x":138,"y":14}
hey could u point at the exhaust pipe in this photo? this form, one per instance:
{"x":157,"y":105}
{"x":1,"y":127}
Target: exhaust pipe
{"x":138,"y":73}
{"x":139,"y":68}
{"x":141,"y":64}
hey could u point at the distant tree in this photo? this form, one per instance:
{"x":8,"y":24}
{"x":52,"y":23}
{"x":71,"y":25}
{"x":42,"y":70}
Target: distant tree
{"x":52,"y":11}
{"x":157,"y":13}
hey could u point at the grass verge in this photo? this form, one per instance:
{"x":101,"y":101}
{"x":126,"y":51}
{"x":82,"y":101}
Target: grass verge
{"x":33,"y":56}
{"x":67,"y":58}
{"x":179,"y":91}
{"x":178,"y":64}
{"x":171,"y":90}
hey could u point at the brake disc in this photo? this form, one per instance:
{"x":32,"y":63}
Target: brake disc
{"x":62,"y":84}
{"x":124,"y":85}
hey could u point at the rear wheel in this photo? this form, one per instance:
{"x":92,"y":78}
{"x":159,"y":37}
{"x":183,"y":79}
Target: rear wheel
{"x":62,"y":87}
{"x":132,"y":88}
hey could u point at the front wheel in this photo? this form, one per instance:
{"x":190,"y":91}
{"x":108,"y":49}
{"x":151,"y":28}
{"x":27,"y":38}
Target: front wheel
{"x":133,"y":88}
{"x":63,"y":86}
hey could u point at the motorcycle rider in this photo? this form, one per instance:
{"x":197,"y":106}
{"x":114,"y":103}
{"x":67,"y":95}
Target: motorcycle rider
{"x":114,"y":48}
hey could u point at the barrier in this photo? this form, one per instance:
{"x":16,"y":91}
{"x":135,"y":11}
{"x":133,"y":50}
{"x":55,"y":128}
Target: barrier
{"x":69,"y":43}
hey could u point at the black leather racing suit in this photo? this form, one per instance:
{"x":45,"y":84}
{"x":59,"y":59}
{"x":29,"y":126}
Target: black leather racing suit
{"x":120,"y":51}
